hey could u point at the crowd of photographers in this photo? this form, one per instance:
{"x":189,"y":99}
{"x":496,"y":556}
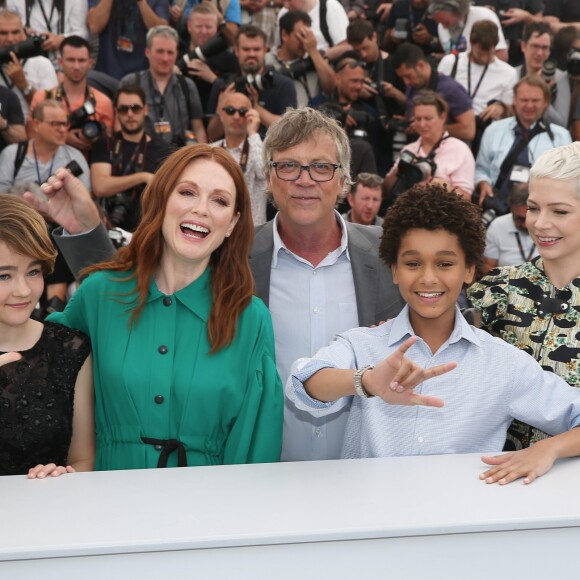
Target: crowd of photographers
{"x":464,"y":93}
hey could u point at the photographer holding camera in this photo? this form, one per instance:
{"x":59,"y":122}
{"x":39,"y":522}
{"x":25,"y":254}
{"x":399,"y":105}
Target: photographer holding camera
{"x":383,"y":91}
{"x":36,"y":160}
{"x":90,"y":111}
{"x":123,"y":164}
{"x":510,"y":146}
{"x":298,"y":58}
{"x":207,"y":56}
{"x":269,"y":92}
{"x":435,"y":156}
{"x":23,"y":69}
{"x":175,"y":110}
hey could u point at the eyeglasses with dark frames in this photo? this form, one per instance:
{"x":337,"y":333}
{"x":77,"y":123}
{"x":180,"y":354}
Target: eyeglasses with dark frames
{"x":54,"y":124}
{"x":230,"y":111}
{"x":291,"y":170}
{"x":133,"y":107}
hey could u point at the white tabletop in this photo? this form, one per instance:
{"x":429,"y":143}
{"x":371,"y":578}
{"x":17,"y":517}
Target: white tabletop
{"x":251,"y":505}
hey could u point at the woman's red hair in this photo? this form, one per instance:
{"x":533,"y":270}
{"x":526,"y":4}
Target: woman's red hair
{"x":232,"y":281}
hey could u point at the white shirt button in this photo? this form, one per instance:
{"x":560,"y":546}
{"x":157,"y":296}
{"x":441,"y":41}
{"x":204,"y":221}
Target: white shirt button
{"x":420,"y":439}
{"x":316,"y":310}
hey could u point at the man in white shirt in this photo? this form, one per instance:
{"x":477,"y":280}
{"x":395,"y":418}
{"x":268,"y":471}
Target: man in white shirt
{"x":24,"y":76}
{"x":456,"y":18}
{"x":488,"y":80}
{"x":536,"y":47}
{"x":52,"y":19}
{"x":243,"y":142}
{"x":507,"y":241}
{"x":329,"y":23}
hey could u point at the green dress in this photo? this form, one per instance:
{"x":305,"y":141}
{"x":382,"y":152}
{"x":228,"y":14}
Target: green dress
{"x":160,"y":397}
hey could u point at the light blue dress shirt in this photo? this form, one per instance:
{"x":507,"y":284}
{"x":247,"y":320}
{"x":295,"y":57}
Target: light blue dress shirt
{"x":493,"y":383}
{"x":498,"y":139}
{"x":310,"y":306}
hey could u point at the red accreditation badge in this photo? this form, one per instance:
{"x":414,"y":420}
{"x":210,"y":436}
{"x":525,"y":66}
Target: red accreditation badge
{"x":124,"y":44}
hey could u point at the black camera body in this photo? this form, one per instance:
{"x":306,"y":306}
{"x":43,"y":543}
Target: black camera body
{"x":28,"y":48}
{"x":573,"y":63}
{"x":411,"y":170}
{"x":258,"y":81}
{"x":298,"y":69}
{"x":80,"y":119}
{"x":214,"y":46}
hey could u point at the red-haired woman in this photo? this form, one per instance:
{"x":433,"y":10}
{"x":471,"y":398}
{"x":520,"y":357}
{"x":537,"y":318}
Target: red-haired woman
{"x":183,"y":354}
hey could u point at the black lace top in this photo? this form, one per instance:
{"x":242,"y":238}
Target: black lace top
{"x":36,"y":400}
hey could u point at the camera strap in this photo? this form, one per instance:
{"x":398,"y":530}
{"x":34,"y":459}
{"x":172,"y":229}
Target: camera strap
{"x":60,"y":95}
{"x":244,"y":155}
{"x":40,"y":180}
{"x":472,"y":95}
{"x":135,"y":163}
{"x":521,"y":142}
{"x":322,"y":10}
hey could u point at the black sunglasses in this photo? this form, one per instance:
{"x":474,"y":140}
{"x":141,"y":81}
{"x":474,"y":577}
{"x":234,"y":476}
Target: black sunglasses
{"x":351,"y":64}
{"x":229,"y":110}
{"x":134,"y":108}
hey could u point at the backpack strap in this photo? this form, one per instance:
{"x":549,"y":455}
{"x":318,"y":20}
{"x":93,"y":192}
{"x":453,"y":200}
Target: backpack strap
{"x":323,"y":23}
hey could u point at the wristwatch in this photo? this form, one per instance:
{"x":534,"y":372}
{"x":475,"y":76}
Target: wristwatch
{"x":358,"y":386}
{"x":27,"y":90}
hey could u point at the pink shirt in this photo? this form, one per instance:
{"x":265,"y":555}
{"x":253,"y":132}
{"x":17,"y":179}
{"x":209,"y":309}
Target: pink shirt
{"x":454,"y":160}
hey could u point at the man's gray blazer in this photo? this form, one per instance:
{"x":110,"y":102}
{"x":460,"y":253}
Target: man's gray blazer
{"x":377,"y":297}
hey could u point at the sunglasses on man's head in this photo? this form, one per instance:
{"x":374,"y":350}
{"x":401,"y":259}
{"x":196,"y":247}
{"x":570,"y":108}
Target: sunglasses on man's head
{"x":351,"y":64}
{"x":134,"y":108}
{"x":229,"y":110}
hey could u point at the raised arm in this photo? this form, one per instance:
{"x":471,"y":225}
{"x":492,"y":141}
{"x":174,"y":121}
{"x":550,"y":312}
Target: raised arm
{"x":393,"y":380}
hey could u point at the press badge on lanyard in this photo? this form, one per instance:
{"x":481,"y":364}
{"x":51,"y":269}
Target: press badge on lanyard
{"x":520,"y":174}
{"x":124,"y":44}
{"x":162,"y":126}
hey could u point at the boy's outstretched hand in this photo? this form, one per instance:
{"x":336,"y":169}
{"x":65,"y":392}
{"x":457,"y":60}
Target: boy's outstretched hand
{"x":395,"y":377}
{"x":528,"y":463}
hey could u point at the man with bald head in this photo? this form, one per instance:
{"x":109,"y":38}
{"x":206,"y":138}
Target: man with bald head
{"x":243,"y":142}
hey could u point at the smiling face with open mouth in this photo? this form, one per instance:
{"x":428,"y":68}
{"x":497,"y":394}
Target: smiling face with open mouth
{"x":430,"y":272}
{"x":553,"y":221}
{"x":200,"y":214}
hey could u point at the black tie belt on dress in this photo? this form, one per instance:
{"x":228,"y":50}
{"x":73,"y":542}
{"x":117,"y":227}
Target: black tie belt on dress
{"x":168,"y":446}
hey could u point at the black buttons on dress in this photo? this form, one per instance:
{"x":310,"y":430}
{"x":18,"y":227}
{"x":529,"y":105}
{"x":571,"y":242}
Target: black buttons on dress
{"x":162,"y":349}
{"x":159,"y":399}
{"x":167,"y":301}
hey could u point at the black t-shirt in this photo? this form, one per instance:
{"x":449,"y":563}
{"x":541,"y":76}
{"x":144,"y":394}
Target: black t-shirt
{"x":11,"y":110}
{"x":402,"y":9}
{"x":565,"y":10}
{"x":156,"y":151}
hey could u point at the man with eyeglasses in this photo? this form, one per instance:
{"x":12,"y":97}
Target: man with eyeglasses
{"x":365,"y":199}
{"x":244,"y":144}
{"x":23,"y":76}
{"x":318,"y":274}
{"x":34,"y":161}
{"x":122,"y":165}
{"x":536,"y":46}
